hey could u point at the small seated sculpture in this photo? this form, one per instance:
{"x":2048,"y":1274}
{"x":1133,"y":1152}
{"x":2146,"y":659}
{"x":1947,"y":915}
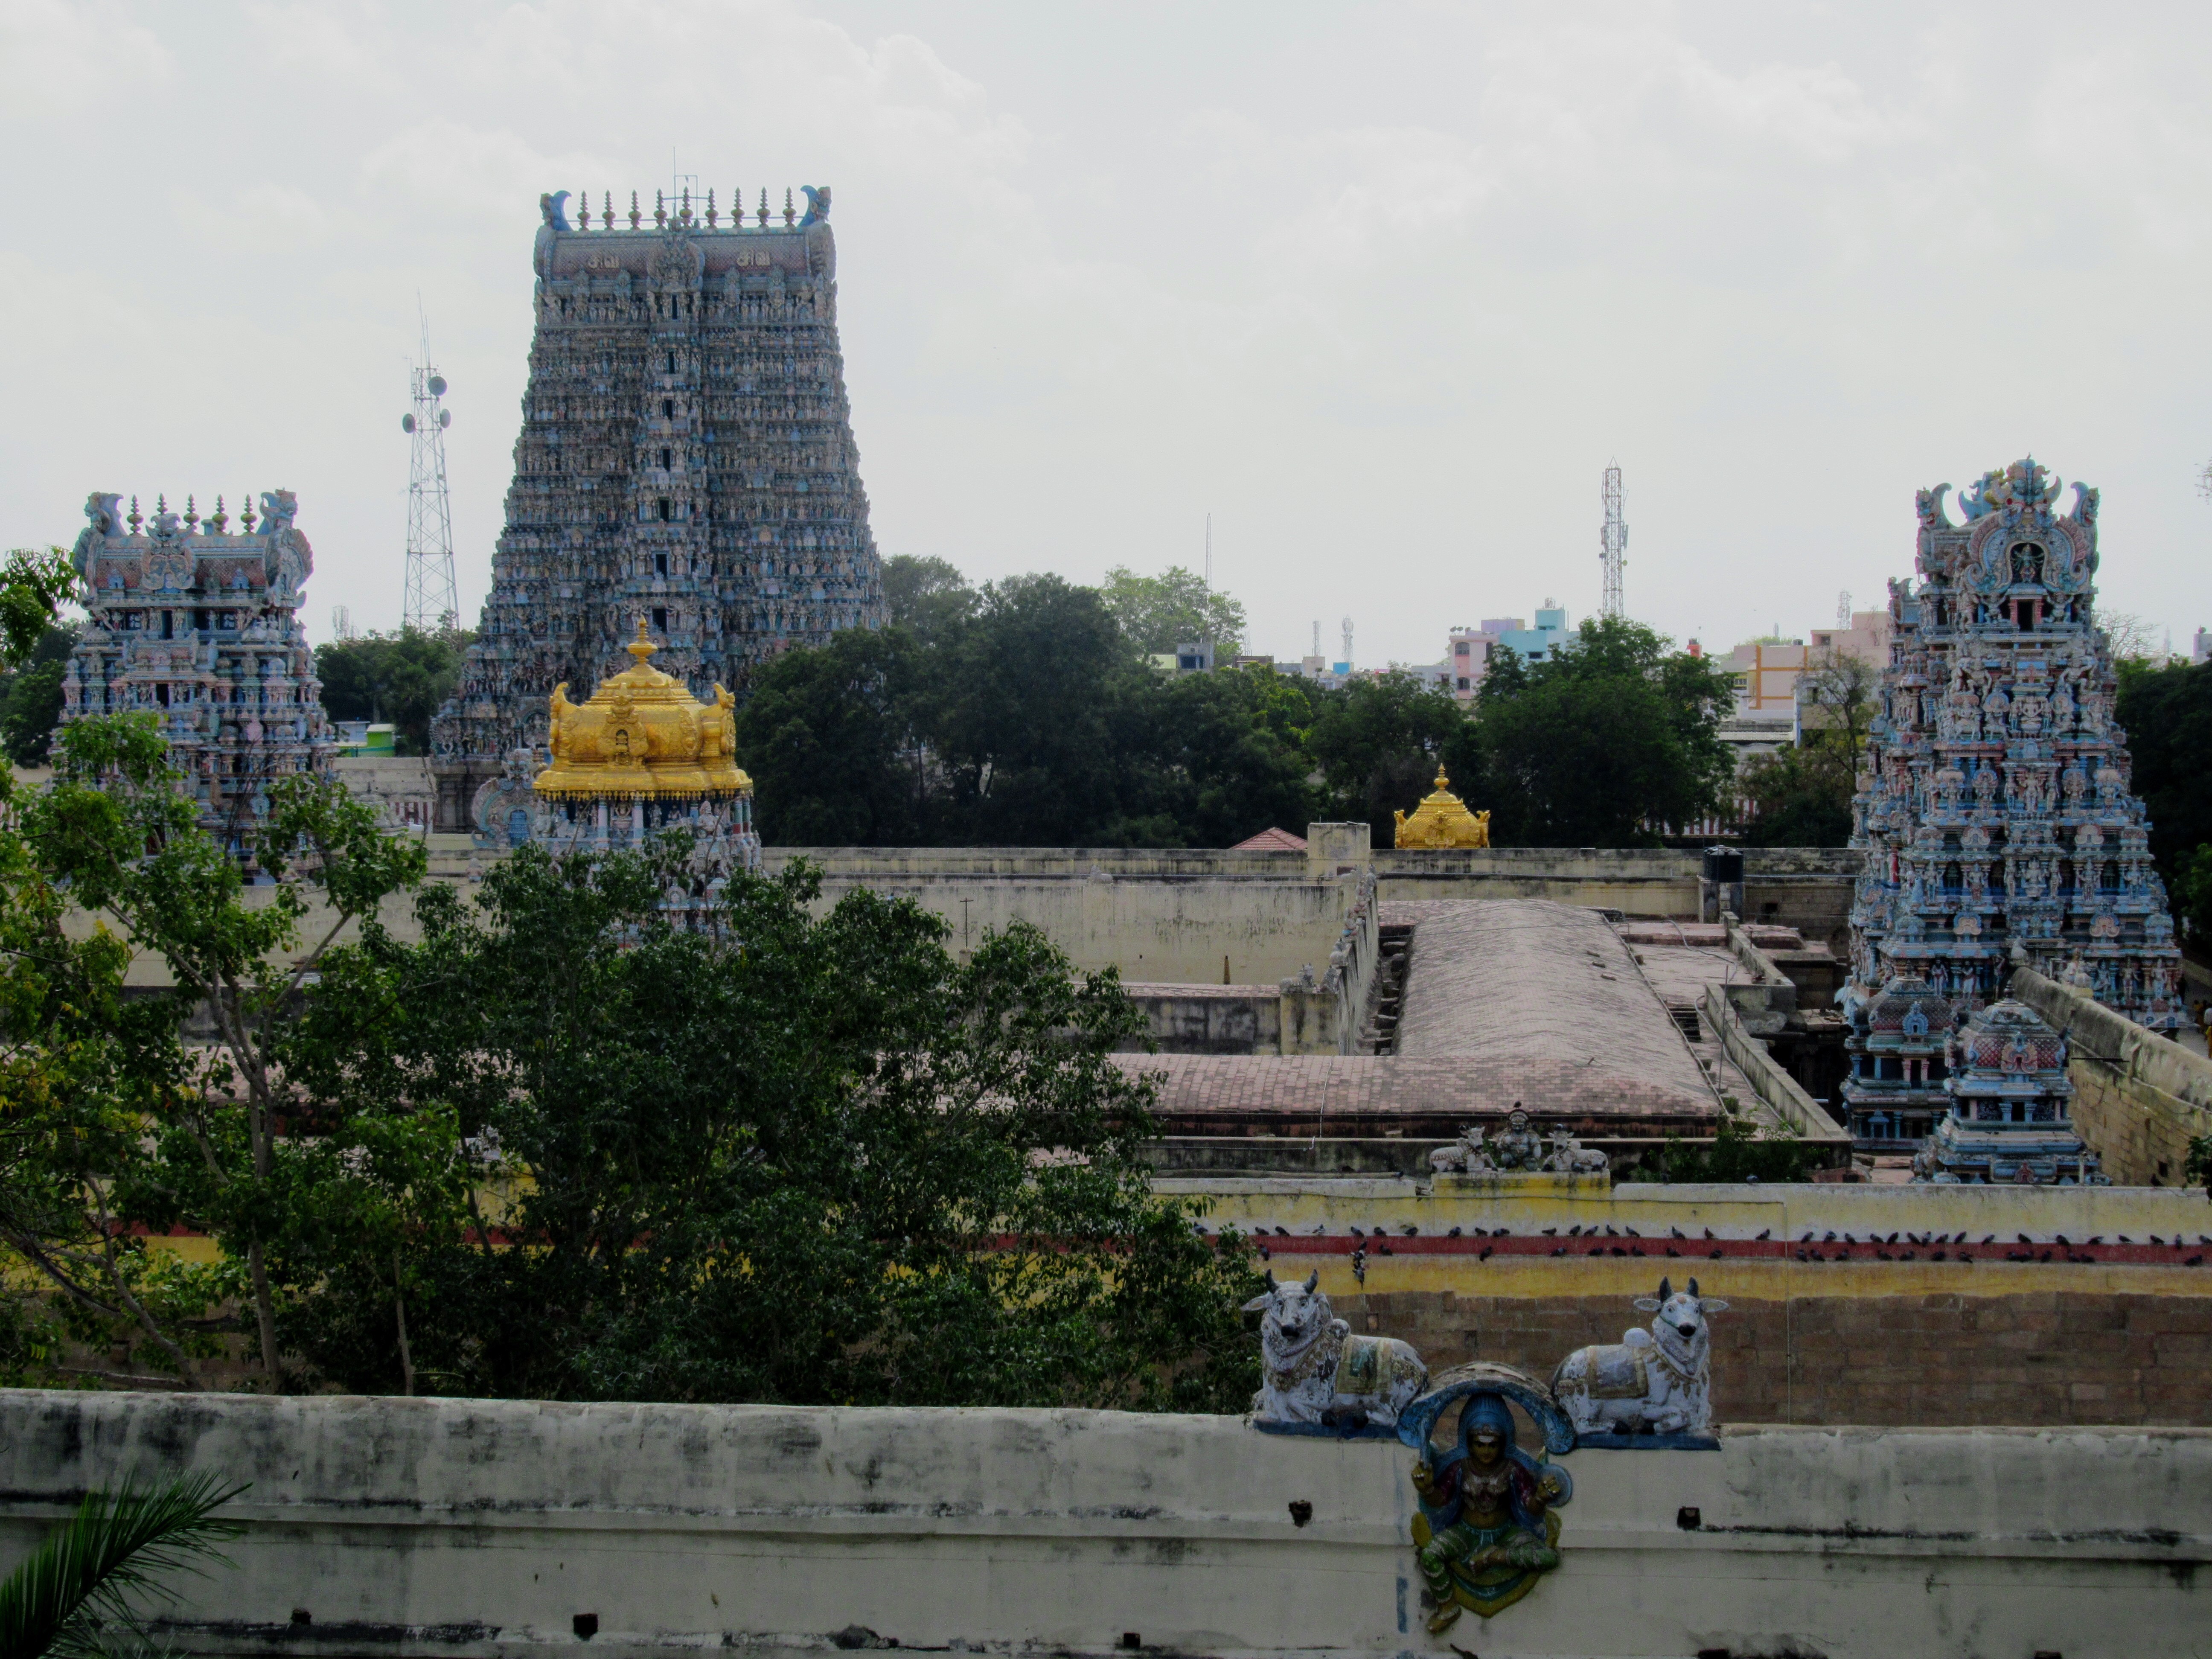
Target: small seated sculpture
{"x":1489,"y":1526}
{"x":1516,"y":1148}
{"x":1654,"y":1381}
{"x":1314,"y":1370}
{"x":1570,"y":1157}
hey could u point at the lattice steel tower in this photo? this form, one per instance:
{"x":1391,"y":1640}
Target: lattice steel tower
{"x":432,"y":602}
{"x":1613,"y":550}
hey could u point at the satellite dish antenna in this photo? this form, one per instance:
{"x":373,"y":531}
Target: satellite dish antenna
{"x":445,"y":417}
{"x":406,"y":423}
{"x":437,"y":385}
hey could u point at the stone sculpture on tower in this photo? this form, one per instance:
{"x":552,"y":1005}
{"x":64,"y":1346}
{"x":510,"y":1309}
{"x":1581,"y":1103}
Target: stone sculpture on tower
{"x":1993,"y":806}
{"x":686,"y":455}
{"x":196,"y":623}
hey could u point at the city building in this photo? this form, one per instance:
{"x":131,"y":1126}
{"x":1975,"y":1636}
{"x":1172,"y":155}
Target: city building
{"x":686,"y":455}
{"x":1467,"y":650}
{"x":2200,"y":649}
{"x":1995,"y":813}
{"x":197,"y":624}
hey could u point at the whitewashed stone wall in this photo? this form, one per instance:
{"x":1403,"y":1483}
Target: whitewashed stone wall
{"x":483,"y":1528}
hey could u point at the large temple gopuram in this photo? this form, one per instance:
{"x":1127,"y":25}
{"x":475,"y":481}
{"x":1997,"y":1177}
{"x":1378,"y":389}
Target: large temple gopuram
{"x":1995,"y":809}
{"x":686,"y":455}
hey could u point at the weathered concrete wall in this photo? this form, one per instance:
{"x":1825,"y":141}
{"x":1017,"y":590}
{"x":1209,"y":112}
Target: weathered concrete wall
{"x":487,"y":1528}
{"x":1781,"y":1092}
{"x":1211,"y":1019}
{"x":1139,"y":913}
{"x":2138,"y":1098}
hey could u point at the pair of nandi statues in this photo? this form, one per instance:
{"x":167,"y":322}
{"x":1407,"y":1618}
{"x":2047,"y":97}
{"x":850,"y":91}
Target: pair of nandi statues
{"x":1316,"y":1371}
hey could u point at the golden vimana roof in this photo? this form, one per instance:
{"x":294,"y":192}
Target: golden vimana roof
{"x":1442,"y":820}
{"x":643,"y":733}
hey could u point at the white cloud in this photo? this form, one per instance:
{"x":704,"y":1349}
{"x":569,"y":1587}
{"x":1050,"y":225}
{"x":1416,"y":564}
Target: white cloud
{"x":60,"y":56}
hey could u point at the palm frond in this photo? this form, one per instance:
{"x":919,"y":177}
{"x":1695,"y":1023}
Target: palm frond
{"x":76,"y":1592}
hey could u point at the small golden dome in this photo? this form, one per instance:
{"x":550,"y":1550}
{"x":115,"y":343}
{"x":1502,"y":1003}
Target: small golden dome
{"x":643,"y":733}
{"x":1443,"y":820}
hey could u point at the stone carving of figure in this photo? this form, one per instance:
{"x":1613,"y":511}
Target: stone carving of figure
{"x":1570,"y":1157}
{"x":1519,"y":1147}
{"x":1487,"y":1529}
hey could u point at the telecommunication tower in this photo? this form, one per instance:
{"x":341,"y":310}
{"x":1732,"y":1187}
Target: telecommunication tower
{"x":1844,"y":609}
{"x":432,"y":602}
{"x":1347,"y":642}
{"x":1613,"y":543}
{"x":341,"y":622}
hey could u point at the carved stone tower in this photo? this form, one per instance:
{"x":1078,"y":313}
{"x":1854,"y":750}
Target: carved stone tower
{"x":197,"y":624}
{"x":1993,"y":804}
{"x":686,"y":457}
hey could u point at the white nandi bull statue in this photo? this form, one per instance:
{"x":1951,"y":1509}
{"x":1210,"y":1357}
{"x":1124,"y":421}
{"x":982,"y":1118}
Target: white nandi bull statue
{"x":1313,"y":1369}
{"x":1654,"y":1381}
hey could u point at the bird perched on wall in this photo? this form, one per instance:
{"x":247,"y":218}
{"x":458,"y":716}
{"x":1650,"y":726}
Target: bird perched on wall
{"x":1765,"y":1231}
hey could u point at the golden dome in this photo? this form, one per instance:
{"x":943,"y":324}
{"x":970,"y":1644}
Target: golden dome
{"x":1443,"y":820}
{"x":643,"y":733}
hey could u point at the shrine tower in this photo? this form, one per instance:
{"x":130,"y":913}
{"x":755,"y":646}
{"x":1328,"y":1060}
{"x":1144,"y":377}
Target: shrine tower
{"x":1993,"y":806}
{"x":686,"y":458}
{"x":196,"y":621}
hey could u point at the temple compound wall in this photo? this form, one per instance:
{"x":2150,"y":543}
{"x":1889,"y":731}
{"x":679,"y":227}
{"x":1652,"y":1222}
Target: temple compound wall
{"x":2138,"y":1098}
{"x":686,"y":457}
{"x":488,"y":1528}
{"x":1847,"y":1304}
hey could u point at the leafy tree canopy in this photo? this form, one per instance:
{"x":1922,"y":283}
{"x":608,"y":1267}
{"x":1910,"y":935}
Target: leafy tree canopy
{"x":402,"y":677}
{"x":1615,"y":732}
{"x":1174,"y":608}
{"x":31,"y":697}
{"x":2168,"y":714}
{"x":926,"y":596}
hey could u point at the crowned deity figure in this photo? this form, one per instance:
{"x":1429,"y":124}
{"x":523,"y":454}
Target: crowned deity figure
{"x":1487,"y":1530}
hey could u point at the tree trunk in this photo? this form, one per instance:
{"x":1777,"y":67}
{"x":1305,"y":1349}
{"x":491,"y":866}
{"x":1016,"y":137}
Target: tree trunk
{"x":399,"y":1305}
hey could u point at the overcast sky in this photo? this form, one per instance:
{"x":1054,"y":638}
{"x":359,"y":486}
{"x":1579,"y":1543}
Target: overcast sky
{"x":1381,"y":287}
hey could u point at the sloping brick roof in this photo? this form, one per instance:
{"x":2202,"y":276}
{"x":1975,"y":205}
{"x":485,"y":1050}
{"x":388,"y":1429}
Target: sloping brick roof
{"x":1272,"y":840}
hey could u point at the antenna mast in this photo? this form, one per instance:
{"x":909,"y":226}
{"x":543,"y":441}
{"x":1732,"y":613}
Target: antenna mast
{"x":1613,"y":543}
{"x":432,"y":602}
{"x":1347,"y":644}
{"x":1844,"y":609}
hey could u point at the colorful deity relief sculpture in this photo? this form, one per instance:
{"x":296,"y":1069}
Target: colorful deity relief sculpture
{"x":1488,"y":1526}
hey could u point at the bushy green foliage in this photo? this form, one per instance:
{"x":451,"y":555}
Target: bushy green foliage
{"x":31,"y":697}
{"x":2168,"y":714}
{"x":1612,"y":733}
{"x":1737,"y":1152}
{"x":1025,"y":713}
{"x":814,"y":1160}
{"x":1174,"y":608}
{"x":401,"y":677}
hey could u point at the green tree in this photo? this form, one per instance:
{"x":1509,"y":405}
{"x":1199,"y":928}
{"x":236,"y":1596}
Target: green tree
{"x":34,"y":585}
{"x":1034,"y":712}
{"x":1229,"y":756}
{"x":116,"y":836}
{"x":31,"y":697}
{"x":825,"y":736}
{"x":1802,"y":796}
{"x":830,"y":1164}
{"x":2167,"y":712}
{"x":1614,"y":734}
{"x":1376,"y":744}
{"x":401,"y":677}
{"x":1175,"y":607}
{"x":927,"y":596}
